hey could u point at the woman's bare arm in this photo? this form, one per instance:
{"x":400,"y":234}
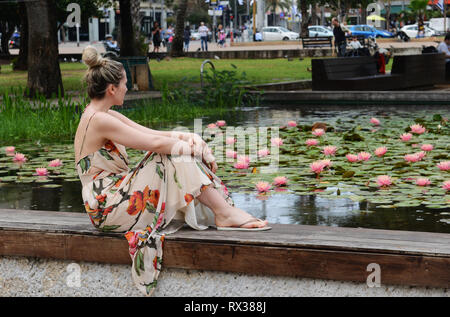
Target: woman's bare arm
{"x":111,"y":128}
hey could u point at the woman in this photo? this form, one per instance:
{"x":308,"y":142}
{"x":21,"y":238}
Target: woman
{"x":156,"y":197}
{"x":156,"y":34}
{"x":186,"y":38}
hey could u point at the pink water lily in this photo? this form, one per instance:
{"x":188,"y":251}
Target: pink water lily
{"x":263,"y":187}
{"x":417,"y":129}
{"x":317,"y":167}
{"x":212,"y":126}
{"x":280,"y":181}
{"x":263,"y":152}
{"x":231,"y":154}
{"x":241,"y":165}
{"x":446,"y":185}
{"x":318,"y":132}
{"x":375,"y":121}
{"x":19,"y":158}
{"x":352,"y":158}
{"x":243,"y":158}
{"x":329,"y":150}
{"x":55,"y":163}
{"x":380,"y":151}
{"x":311,"y":142}
{"x":423,"y":181}
{"x":412,"y":158}
{"x":42,"y":171}
{"x":326,"y":163}
{"x":406,"y":137}
{"x":221,"y":123}
{"x":364,"y":156}
{"x":10,"y":150}
{"x":421,"y":154}
{"x":444,"y":166}
{"x":384,"y":181}
{"x":276,"y":141}
{"x":292,"y":124}
{"x":230,"y":140}
{"x":427,"y":147}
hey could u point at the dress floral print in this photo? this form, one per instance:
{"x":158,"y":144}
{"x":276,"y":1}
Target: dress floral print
{"x":152,"y":199}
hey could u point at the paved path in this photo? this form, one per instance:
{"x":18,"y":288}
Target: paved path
{"x":72,"y":48}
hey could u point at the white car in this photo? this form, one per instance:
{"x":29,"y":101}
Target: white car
{"x":413,"y":29}
{"x":278,"y":33}
{"x":319,"y":31}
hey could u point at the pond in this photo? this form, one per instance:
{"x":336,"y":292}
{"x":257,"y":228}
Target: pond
{"x":344,"y":194}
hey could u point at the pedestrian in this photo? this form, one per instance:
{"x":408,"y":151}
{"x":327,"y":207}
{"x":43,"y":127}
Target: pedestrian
{"x":186,"y":38}
{"x":420,"y":29}
{"x":156,"y":36}
{"x":444,"y":47}
{"x":340,"y":41}
{"x":203,"y":30}
{"x":222,"y":36}
{"x":167,"y":35}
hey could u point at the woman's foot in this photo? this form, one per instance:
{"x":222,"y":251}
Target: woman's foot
{"x":235,"y":217}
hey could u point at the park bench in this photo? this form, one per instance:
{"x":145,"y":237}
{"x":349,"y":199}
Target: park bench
{"x":361,"y":39}
{"x":314,"y":42}
{"x":361,"y":73}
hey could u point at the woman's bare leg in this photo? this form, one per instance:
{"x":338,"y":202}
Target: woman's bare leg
{"x":226,"y":215}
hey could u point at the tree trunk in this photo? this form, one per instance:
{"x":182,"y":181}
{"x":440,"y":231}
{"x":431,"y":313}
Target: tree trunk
{"x":135,"y":17}
{"x":128,"y":42}
{"x":44,"y":74}
{"x":22,"y":60}
{"x":305,"y":18}
{"x":177,"y":44}
{"x":7,"y":31}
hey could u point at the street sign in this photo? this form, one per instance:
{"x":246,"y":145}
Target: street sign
{"x":224,"y":3}
{"x":215,"y":12}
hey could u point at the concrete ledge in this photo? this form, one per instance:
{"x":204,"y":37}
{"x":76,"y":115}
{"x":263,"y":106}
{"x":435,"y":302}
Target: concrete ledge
{"x":358,"y":97}
{"x":319,"y":252}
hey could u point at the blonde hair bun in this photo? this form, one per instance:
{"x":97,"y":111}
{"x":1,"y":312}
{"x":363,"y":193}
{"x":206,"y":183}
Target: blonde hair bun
{"x":92,"y":58}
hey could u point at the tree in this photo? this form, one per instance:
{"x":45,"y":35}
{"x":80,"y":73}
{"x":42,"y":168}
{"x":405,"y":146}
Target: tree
{"x":44,"y":74}
{"x":177,"y":44}
{"x":418,"y":7}
{"x":128,"y":43}
{"x":8,"y":21}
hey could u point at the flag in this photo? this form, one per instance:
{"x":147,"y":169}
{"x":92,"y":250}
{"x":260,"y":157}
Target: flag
{"x":251,"y":2}
{"x":440,"y":4}
{"x":241,"y":2}
{"x":294,"y":10}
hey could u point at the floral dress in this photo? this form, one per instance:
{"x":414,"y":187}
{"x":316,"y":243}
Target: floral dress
{"x":154,"y":198}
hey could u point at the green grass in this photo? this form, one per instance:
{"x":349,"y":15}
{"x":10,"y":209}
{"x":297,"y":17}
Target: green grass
{"x":168,"y":72}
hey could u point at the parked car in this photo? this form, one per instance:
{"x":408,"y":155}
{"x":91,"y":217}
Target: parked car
{"x":319,"y":31}
{"x":195,"y":35}
{"x":412,"y":30}
{"x":278,"y":33}
{"x":14,"y":41}
{"x":369,"y":31}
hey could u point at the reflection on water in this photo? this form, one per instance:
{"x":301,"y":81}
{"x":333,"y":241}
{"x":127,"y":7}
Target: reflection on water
{"x":283,"y":208}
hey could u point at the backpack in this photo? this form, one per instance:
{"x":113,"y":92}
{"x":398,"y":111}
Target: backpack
{"x":429,"y":50}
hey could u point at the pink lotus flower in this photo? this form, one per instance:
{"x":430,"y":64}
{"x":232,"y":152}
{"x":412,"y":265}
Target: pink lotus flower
{"x":384,"y":181}
{"x":364,"y":156}
{"x":212,"y":126}
{"x":230,"y":140}
{"x":417,"y":128}
{"x":352,"y":158}
{"x":412,"y":157}
{"x":311,"y":142}
{"x":329,"y":150}
{"x":380,"y":151}
{"x":10,"y":150}
{"x":444,"y":166}
{"x":427,"y":147}
{"x":317,"y":167}
{"x":243,"y":158}
{"x":318,"y":132}
{"x":263,"y":152}
{"x":41,"y":171}
{"x":375,"y":121}
{"x":241,"y":165}
{"x":292,"y":124}
{"x":421,"y":154}
{"x":406,"y":137}
{"x":221,"y":123}
{"x":19,"y":158}
{"x":326,"y":163}
{"x":276,"y":141}
{"x":263,"y":187}
{"x":446,"y":185}
{"x":423,"y":181}
{"x":231,"y":154}
{"x":55,"y":163}
{"x":280,"y":181}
